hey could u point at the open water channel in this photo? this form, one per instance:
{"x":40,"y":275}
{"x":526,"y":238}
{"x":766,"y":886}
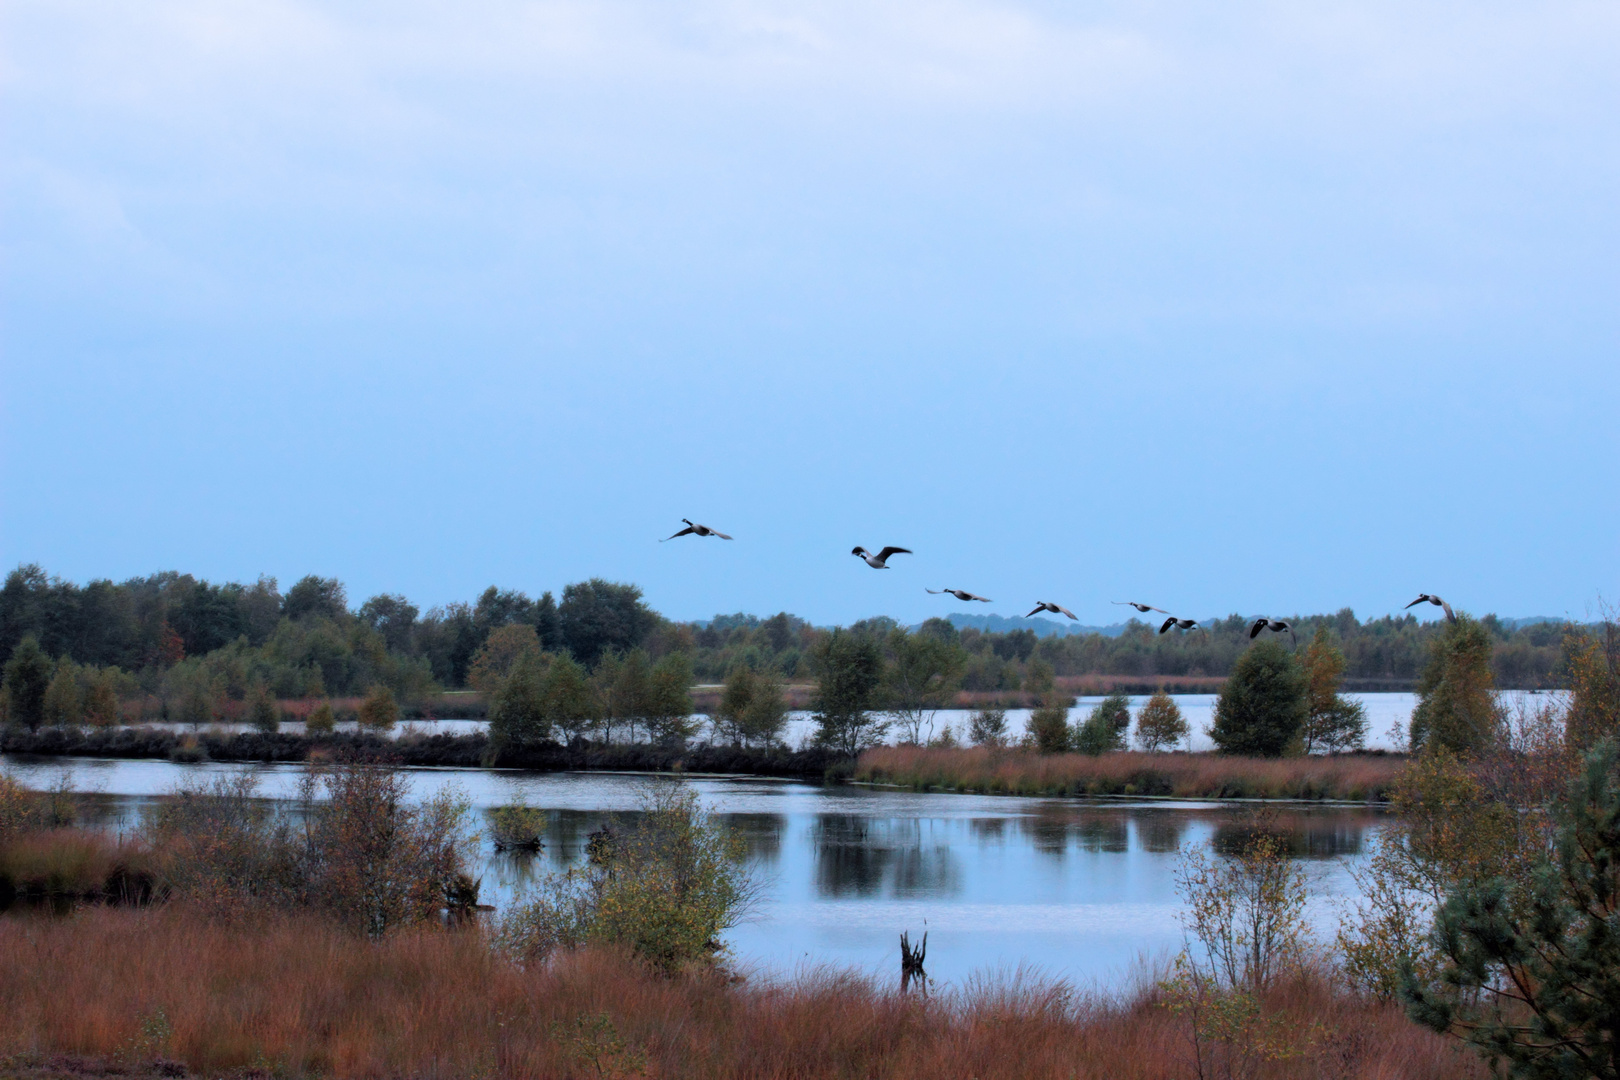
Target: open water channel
{"x":1083,"y":890}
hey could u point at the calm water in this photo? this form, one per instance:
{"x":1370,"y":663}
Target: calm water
{"x":1076,"y":889}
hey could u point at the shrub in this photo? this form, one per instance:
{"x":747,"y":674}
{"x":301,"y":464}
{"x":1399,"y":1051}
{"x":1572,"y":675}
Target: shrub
{"x":379,"y":711}
{"x":1247,"y":911}
{"x":665,"y":886}
{"x":517,"y":825}
{"x":1261,"y":708}
{"x":1159,"y":724}
{"x":1048,"y":728}
{"x":1104,"y":729}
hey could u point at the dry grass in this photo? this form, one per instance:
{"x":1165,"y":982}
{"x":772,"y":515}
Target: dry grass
{"x":296,"y":997}
{"x":70,"y":863}
{"x":1202,"y":776}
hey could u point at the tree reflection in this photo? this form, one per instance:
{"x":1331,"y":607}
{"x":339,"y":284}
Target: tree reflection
{"x":863,"y":857}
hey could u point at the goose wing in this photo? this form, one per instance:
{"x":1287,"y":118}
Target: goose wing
{"x":974,"y":596}
{"x":1259,"y":625}
{"x":1168,"y":623}
{"x":1150,"y":607}
{"x":684,"y":532}
{"x":1447,"y":608}
{"x":936,"y":592}
{"x":1065,"y":611}
{"x":1040,"y":607}
{"x":886,"y":552}
{"x":1421,"y":599}
{"x":720,"y":534}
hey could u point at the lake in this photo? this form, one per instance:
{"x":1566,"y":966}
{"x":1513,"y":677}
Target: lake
{"x":1078,"y":889}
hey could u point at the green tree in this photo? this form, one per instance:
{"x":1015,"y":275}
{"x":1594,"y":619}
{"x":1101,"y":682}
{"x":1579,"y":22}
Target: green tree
{"x":261,"y":711}
{"x":502,"y":650}
{"x":1457,"y":707}
{"x":379,"y":711}
{"x":752,"y":707}
{"x":669,"y":702}
{"x":1333,"y":722}
{"x":28,"y":676}
{"x":320,"y":720}
{"x":920,"y":677}
{"x":1261,"y":708}
{"x":63,"y":707}
{"x":1048,"y":728}
{"x":849,"y":671}
{"x":1105,"y":727}
{"x":1535,"y":984}
{"x":598,"y":615}
{"x":1593,"y":660}
{"x":570,"y":705}
{"x":624,"y":689}
{"x":315,"y":597}
{"x":988,"y":727}
{"x":519,"y":713}
{"x":1159,"y":724}
{"x":1038,"y":677}
{"x":101,"y":700}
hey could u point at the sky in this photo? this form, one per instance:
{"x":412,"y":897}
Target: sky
{"x":1241,"y":307}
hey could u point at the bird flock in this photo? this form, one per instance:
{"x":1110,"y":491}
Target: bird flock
{"x":880,"y":561}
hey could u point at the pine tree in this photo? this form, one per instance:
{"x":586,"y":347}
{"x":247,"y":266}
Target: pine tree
{"x":1262,"y":705}
{"x":1535,"y":983}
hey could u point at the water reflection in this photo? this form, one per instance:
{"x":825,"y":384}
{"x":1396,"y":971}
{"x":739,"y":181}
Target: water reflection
{"x":1080,"y":888}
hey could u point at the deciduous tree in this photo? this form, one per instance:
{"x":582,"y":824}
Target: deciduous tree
{"x":1333,"y":722}
{"x":1159,"y":724}
{"x":849,"y":671}
{"x":1457,"y":707}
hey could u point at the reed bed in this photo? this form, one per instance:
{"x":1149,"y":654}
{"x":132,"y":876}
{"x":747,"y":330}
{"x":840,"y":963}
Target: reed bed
{"x":296,"y":997}
{"x":1356,"y":777}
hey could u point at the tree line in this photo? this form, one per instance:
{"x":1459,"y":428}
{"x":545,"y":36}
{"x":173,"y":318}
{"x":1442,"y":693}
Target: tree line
{"x":197,"y":646}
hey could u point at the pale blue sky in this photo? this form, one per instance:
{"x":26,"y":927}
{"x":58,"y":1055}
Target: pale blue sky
{"x":1227,"y":307}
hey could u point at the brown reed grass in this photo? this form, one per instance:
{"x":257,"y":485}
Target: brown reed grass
{"x":1359,"y":777}
{"x":295,"y":996}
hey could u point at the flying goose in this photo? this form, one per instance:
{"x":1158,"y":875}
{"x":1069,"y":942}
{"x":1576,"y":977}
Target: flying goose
{"x":696,"y":530}
{"x":1179,"y":624}
{"x":1437,"y":602}
{"x":961,"y":594}
{"x":1143,"y":608}
{"x":880,"y":561}
{"x":1047,"y":605}
{"x":1278,"y":625}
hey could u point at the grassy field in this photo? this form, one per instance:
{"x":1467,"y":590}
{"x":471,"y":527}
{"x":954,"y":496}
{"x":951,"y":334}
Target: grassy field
{"x":1359,"y":777}
{"x":281,"y":996}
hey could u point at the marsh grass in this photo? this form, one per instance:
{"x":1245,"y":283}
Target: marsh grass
{"x":296,"y":996}
{"x":989,"y":770}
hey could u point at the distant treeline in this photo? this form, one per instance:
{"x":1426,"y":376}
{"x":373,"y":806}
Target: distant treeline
{"x":158,"y":635}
